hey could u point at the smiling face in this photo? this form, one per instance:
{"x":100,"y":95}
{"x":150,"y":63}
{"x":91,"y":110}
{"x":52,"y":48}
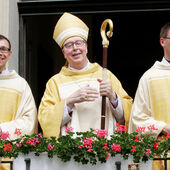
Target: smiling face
{"x":5,"y":53}
{"x":75,"y":54}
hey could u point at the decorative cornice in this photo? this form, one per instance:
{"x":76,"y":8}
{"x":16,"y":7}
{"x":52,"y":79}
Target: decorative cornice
{"x":86,"y":6}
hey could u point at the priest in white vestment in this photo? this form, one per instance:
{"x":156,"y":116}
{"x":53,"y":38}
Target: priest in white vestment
{"x":152,"y":100}
{"x":18,"y":112}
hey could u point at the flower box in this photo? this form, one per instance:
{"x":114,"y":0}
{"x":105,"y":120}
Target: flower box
{"x":44,"y":163}
{"x":94,"y":149}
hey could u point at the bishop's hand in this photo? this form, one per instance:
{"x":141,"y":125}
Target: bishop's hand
{"x":86,"y":93}
{"x":106,"y":89}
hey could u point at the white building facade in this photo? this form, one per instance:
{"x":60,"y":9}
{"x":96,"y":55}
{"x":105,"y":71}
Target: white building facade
{"x":9,"y":27}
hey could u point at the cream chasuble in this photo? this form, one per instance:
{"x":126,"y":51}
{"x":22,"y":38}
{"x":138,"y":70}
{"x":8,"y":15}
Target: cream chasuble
{"x":152,"y":102}
{"x":160,"y":95}
{"x":17,"y":107}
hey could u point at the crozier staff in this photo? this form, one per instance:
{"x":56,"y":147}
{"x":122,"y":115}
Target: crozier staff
{"x":73,"y":96}
{"x":105,"y":44}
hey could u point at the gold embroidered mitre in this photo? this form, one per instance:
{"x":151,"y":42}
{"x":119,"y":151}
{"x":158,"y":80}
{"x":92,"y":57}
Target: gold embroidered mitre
{"x":68,"y":26}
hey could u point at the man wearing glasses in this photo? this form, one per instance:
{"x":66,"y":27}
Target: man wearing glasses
{"x":17,"y":106}
{"x":18,"y":112}
{"x":152,"y":101}
{"x":73,"y":96}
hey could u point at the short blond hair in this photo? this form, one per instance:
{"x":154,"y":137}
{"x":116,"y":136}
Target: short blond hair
{"x":164,"y":30}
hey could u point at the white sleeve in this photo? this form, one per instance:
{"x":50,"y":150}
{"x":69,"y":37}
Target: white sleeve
{"x":118,"y":111}
{"x":66,"y":117}
{"x":3,"y":128}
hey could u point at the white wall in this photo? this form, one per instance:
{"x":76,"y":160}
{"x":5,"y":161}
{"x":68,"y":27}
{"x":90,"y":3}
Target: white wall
{"x":9,"y":26}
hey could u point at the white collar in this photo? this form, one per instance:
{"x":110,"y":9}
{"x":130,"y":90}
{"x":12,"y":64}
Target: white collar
{"x":5,"y":71}
{"x":164,"y":61}
{"x":84,"y":68}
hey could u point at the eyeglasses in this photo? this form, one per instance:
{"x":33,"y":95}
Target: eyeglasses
{"x":78,"y":43}
{"x":166,"y":37}
{"x":4,"y":49}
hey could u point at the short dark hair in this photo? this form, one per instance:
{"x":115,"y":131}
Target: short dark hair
{"x":164,"y":30}
{"x":2,"y":37}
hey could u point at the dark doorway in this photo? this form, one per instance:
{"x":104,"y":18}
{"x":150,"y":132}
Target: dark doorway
{"x":133,"y":48}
